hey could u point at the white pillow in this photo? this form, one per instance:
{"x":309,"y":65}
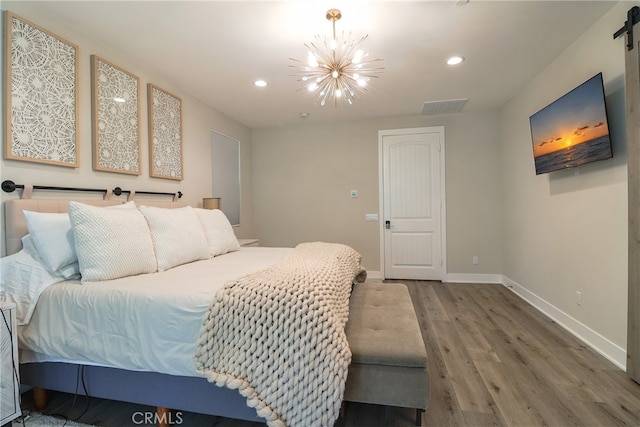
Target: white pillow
{"x":177,"y":235}
{"x":69,"y":271}
{"x":52,"y":236}
{"x":111,"y":243}
{"x":218,"y":231}
{"x":53,"y":239}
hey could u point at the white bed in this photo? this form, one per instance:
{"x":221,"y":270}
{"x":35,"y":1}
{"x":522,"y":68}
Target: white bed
{"x":100,"y":323}
{"x":133,"y":338}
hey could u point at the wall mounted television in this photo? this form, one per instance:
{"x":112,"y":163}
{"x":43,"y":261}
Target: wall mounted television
{"x":573,"y":130}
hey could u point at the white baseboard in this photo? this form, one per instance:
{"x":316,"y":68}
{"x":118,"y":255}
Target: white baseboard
{"x":374,"y":275}
{"x":473,"y":278}
{"x":613,"y":352}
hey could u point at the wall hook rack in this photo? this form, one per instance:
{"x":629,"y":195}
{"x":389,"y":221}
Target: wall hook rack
{"x":9,"y":186}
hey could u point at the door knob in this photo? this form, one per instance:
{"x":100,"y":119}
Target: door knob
{"x":387,"y":224}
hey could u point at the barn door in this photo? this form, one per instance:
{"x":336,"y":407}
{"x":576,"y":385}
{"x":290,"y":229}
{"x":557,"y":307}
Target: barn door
{"x":632,"y":73}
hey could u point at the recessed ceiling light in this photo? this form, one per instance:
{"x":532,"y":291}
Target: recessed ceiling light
{"x":260,"y":83}
{"x":304,"y":115}
{"x":455,"y":60}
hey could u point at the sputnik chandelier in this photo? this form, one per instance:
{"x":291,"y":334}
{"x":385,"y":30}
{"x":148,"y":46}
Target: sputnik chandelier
{"x":336,"y":68}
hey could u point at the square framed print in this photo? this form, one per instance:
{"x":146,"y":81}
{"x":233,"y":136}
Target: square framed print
{"x":41,"y":95}
{"x":115,"y":118}
{"x":165,"y":134}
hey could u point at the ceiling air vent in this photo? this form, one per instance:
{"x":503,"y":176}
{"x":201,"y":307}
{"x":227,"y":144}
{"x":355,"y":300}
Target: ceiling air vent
{"x":443,"y":107}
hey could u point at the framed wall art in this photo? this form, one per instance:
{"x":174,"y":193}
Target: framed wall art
{"x":165,"y":134}
{"x":115,"y":118}
{"x":41,"y":95}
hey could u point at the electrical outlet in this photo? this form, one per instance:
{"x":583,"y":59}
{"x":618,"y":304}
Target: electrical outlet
{"x":579,"y":298}
{"x":476,"y":260}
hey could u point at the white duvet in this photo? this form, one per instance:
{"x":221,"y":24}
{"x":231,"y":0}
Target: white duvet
{"x":149,"y":322}
{"x":22,"y":280}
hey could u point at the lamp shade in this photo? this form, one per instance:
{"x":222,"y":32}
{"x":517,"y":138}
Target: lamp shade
{"x":211,"y":202}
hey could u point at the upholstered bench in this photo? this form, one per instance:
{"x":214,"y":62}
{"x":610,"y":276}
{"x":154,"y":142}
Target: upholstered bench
{"x":389,"y":360}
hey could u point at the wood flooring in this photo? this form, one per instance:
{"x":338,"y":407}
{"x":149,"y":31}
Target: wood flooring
{"x":494,"y":360}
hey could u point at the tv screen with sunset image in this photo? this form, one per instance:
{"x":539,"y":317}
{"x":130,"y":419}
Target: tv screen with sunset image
{"x":573,"y":130}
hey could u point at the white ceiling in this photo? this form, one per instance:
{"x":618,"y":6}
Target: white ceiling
{"x":214,"y":50}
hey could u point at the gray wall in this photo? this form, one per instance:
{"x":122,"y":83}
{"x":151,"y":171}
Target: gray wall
{"x":198,"y":120}
{"x":302,"y":177}
{"x":566,"y":233}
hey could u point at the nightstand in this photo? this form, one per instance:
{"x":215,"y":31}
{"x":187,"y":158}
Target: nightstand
{"x":249,"y":242}
{"x":10,"y":384}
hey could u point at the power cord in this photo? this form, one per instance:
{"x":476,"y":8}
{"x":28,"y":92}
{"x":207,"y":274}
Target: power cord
{"x":81,"y":369}
{"x":13,"y":355}
{"x":80,"y":380}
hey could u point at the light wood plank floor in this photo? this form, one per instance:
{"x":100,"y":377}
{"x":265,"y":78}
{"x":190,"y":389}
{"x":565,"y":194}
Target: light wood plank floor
{"x":493,"y":361}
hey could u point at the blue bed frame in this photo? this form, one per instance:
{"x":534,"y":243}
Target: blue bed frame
{"x":191,"y":394}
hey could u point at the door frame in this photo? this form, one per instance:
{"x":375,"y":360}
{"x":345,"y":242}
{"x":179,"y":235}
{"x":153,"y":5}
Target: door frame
{"x":443,"y":198}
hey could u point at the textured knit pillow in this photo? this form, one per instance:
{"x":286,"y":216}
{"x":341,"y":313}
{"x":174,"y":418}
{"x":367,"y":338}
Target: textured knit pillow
{"x":111,"y":243}
{"x":218,"y":230}
{"x":177,"y":235}
{"x":52,"y":239}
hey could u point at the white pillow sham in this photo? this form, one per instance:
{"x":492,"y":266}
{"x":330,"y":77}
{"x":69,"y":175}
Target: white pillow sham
{"x":53,"y":240}
{"x":218,"y":231}
{"x":69,"y":271}
{"x":52,"y":236}
{"x":177,"y":236}
{"x":111,"y":243}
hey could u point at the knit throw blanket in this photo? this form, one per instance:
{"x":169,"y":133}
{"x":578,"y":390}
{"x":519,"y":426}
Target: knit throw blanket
{"x":278,"y":335}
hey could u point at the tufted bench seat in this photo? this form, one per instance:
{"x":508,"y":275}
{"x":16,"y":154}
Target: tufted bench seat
{"x":389,"y":360}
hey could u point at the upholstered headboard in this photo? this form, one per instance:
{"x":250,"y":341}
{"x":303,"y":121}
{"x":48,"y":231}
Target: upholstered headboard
{"x":16,"y":227}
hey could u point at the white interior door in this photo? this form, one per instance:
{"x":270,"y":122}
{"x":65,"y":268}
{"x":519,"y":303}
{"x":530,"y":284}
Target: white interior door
{"x":412,"y":198}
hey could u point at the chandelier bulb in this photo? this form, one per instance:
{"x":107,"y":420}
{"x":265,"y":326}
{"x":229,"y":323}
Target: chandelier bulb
{"x":312,"y":60}
{"x":335,"y":74}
